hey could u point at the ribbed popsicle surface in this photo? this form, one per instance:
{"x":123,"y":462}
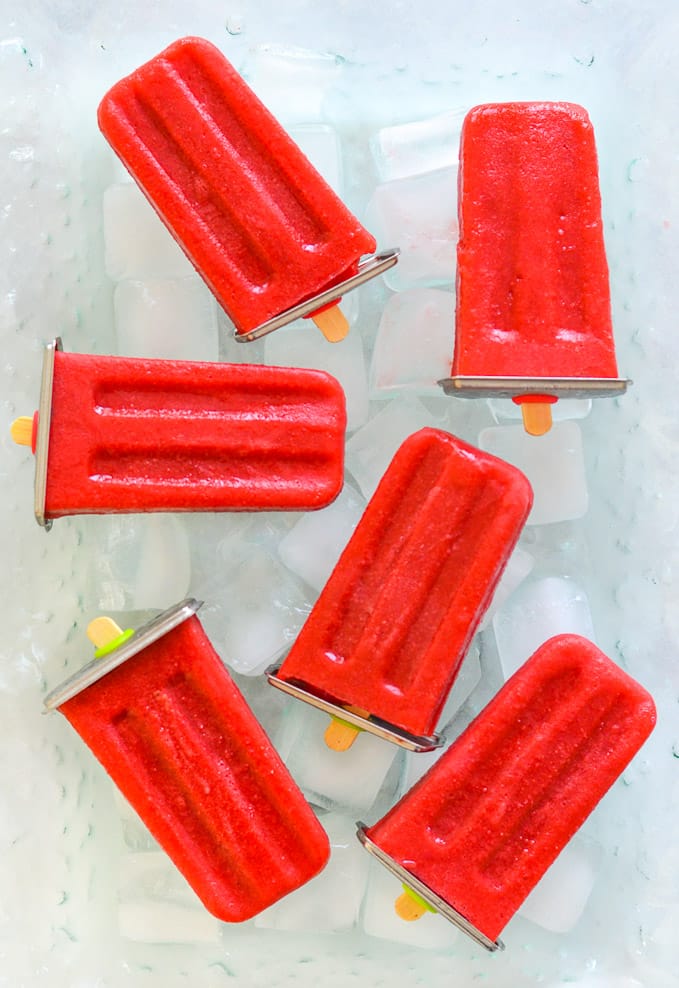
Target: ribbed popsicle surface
{"x":393,"y":623}
{"x":533,"y":296}
{"x":172,"y":730}
{"x":482,"y":827}
{"x":253,"y":215}
{"x":154,"y":435}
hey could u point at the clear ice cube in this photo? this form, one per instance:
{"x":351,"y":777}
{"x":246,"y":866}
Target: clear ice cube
{"x":330,"y":902}
{"x":321,"y":144}
{"x":157,"y":905}
{"x":142,"y":562}
{"x":518,"y":568}
{"x":253,"y":608}
{"x":558,"y":900}
{"x":371,"y":449}
{"x":292,"y":82}
{"x":348,"y":781}
{"x":414,"y":343}
{"x":417,"y":146}
{"x":538,"y":611}
{"x":554,"y":464}
{"x":302,"y":345}
{"x":137,"y":243}
{"x":169,"y":318}
{"x":419,"y":215}
{"x":312,"y":547}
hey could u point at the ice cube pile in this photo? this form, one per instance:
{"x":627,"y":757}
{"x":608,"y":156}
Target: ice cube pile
{"x":261,"y":574}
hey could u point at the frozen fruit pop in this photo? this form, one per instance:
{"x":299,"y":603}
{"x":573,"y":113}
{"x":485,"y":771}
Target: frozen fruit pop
{"x":253,"y":215}
{"x":533,"y":300}
{"x":477,"y":833}
{"x":165,"y":719}
{"x":121,"y":434}
{"x":384,"y":642}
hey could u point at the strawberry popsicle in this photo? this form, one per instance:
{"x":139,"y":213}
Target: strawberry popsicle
{"x":165,"y":719}
{"x":476,"y":834}
{"x":253,"y":215}
{"x":533,"y":315}
{"x":120,"y":434}
{"x":384,"y":642}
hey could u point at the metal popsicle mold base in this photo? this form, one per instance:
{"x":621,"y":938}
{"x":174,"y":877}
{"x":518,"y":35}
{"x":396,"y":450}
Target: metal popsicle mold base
{"x":380,"y":728}
{"x":467,"y":386}
{"x":367,"y":269}
{"x":438,"y":904}
{"x":141,"y":639}
{"x":43,"y":435}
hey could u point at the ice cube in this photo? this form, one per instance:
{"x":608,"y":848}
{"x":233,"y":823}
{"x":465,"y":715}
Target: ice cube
{"x":291,"y":82}
{"x":518,"y":567}
{"x":414,"y":342}
{"x":138,"y":245}
{"x":330,"y":902}
{"x":564,"y":408}
{"x":554,"y":464}
{"x":171,"y":318}
{"x":142,"y":562}
{"x":302,"y":345}
{"x":537,"y":611}
{"x":157,"y":905}
{"x":370,"y":450}
{"x":150,"y":921}
{"x":313,"y":546}
{"x":379,"y":917}
{"x":321,"y":145}
{"x":419,"y":215}
{"x":417,"y":146}
{"x":558,"y":900}
{"x":343,"y":780}
{"x":253,"y":610}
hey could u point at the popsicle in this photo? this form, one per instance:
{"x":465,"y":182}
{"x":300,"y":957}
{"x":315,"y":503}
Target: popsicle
{"x":533,"y":318}
{"x":165,"y":719}
{"x":120,"y":434}
{"x":475,"y":835}
{"x":383,"y":644}
{"x":261,"y":226}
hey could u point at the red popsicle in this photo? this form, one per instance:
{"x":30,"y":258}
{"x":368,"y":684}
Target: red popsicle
{"x":165,"y":719}
{"x":120,"y":434}
{"x":394,"y":621}
{"x":533,"y":297}
{"x":477,"y":833}
{"x":253,"y":215}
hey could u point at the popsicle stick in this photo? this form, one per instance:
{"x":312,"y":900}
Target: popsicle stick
{"x":340,"y":734}
{"x":106,"y":635}
{"x":332,"y":323}
{"x":102,"y":631}
{"x":410,"y":906}
{"x":537,"y":417}
{"x":21,"y":430}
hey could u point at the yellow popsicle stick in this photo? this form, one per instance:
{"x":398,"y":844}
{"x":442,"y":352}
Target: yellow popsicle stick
{"x":21,"y":430}
{"x":332,"y":323}
{"x":537,"y":417}
{"x":340,"y":734}
{"x":410,"y":906}
{"x":106,"y":635}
